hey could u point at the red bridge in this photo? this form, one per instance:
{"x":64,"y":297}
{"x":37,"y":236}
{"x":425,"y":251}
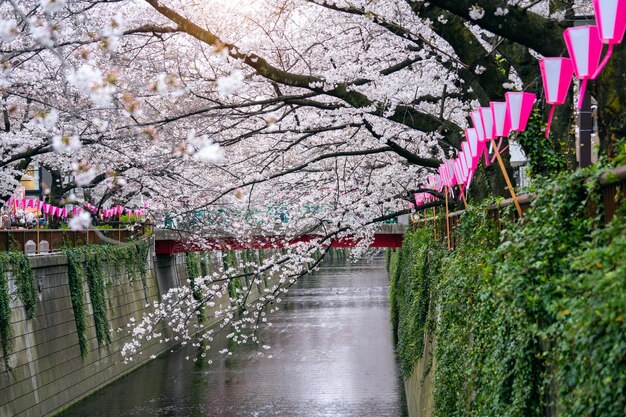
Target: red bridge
{"x":169,"y":241}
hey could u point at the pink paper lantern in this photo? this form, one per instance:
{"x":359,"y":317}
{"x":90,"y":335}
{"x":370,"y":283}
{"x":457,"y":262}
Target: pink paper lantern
{"x":611,"y":21}
{"x":557,"y":78}
{"x":462,"y":167}
{"x":487,"y":118}
{"x":501,"y":119}
{"x":478,"y":125}
{"x":472,"y":139}
{"x":451,"y":173}
{"x":442,"y":174}
{"x":467,"y":156}
{"x":475,"y":147}
{"x":456,"y":164}
{"x":520,"y":106}
{"x":556,"y":74}
{"x":584,"y":47}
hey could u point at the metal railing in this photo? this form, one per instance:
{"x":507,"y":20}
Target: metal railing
{"x":54,"y":240}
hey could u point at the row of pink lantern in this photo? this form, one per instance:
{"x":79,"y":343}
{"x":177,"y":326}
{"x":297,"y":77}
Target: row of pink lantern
{"x":584,"y":45}
{"x":489,"y":124}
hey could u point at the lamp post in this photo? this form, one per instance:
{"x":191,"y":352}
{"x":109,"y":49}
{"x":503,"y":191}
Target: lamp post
{"x":585,"y":122}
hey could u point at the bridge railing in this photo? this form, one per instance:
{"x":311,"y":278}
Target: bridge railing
{"x":45,"y":241}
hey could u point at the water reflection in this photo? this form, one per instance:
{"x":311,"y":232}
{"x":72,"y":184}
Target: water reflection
{"x":332,"y":356}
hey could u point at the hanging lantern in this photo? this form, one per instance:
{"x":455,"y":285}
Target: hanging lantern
{"x":611,"y":21}
{"x":478,"y":125}
{"x":487,"y":118}
{"x":458,"y":172}
{"x":467,"y":153}
{"x":443,"y":174}
{"x":557,"y":78}
{"x":452,"y":174}
{"x":475,"y":146}
{"x":520,"y":106}
{"x":584,"y":47}
{"x":501,"y":119}
{"x":464,"y":167}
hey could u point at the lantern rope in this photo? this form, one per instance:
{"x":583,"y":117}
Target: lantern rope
{"x":605,"y":61}
{"x":550,"y":120}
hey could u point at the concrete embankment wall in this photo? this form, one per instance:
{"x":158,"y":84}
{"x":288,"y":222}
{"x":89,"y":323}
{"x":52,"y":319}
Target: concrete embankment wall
{"x":48,"y":372}
{"x":418,"y":387}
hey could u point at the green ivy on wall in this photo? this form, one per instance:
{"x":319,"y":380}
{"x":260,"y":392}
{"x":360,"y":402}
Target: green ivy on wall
{"x":530,"y":321}
{"x":193,"y":266}
{"x":22,"y":272}
{"x":413,"y":270}
{"x":95,"y":279}
{"x":88,"y":262}
{"x":6,"y":332}
{"x":75,"y":278}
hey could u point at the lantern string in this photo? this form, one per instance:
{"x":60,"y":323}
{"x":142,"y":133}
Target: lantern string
{"x":501,"y":152}
{"x":581,"y":95}
{"x":550,"y":120}
{"x":487,"y":156}
{"x":604,"y":62}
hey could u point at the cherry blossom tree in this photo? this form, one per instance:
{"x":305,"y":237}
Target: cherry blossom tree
{"x":225,"y":113}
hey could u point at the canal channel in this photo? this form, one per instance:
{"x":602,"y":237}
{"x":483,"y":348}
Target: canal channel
{"x":331,"y":356}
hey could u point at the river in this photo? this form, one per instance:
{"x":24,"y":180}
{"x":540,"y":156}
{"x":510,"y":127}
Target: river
{"x":332,"y":356}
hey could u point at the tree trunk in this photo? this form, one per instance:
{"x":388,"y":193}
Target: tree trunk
{"x":610,"y":92}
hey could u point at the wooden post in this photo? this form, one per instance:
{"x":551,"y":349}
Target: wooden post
{"x":464,"y":200}
{"x":448,"y":220}
{"x":508,"y":180}
{"x":37,"y":217}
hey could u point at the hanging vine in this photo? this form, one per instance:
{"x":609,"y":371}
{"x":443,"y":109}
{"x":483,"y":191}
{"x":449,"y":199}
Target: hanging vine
{"x":5,"y":314}
{"x":75,"y":278}
{"x":95,"y":280}
{"x":88,"y":262}
{"x":192,"y":263}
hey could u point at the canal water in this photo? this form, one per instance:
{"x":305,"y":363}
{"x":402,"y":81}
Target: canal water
{"x":332,"y":356}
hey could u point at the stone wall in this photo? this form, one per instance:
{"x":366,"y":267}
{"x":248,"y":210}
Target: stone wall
{"x":47,"y":371}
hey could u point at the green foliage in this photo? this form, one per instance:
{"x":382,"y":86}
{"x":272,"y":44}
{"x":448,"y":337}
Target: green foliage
{"x":75,"y":277}
{"x":464,"y":273}
{"x":24,"y":277}
{"x":619,"y":150}
{"x":413,"y":270}
{"x":95,"y":279}
{"x":130,"y":218}
{"x":6,"y":332}
{"x":25,"y":281}
{"x":234,"y":284}
{"x":531,"y":322}
{"x":590,"y":316}
{"x":89,"y":262}
{"x":192,"y":263}
{"x":545,"y":155}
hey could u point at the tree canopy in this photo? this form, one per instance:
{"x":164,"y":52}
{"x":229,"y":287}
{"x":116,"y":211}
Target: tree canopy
{"x":333,"y":111}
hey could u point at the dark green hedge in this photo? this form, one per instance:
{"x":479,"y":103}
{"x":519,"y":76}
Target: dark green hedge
{"x":531,"y":326}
